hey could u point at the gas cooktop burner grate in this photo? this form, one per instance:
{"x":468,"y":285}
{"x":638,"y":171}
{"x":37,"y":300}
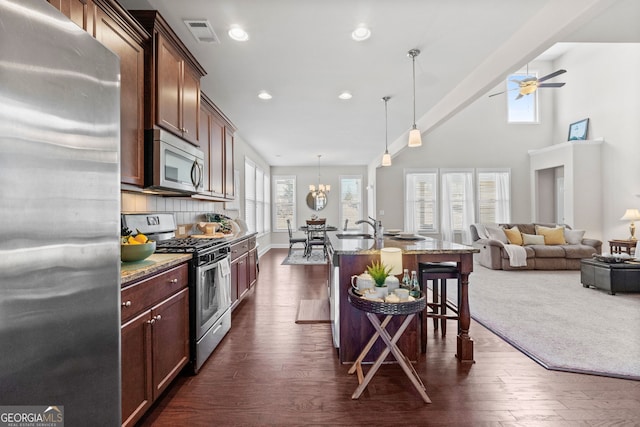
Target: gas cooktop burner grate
{"x":186,"y":244}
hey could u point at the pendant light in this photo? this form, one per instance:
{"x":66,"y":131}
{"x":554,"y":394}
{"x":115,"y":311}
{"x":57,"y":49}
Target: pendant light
{"x":386,"y":157}
{"x":322,"y":188}
{"x":415,"y":140}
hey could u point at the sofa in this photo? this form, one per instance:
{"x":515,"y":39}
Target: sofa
{"x":546,"y":246}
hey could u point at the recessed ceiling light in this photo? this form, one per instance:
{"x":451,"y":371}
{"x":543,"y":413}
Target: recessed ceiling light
{"x":238,"y":34}
{"x":263,"y":94}
{"x":361,"y":33}
{"x":345,"y":95}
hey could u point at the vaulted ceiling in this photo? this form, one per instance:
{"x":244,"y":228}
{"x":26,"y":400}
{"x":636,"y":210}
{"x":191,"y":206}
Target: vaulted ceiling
{"x":301,"y":51}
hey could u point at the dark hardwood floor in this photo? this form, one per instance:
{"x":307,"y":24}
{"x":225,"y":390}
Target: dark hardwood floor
{"x":271,"y":371}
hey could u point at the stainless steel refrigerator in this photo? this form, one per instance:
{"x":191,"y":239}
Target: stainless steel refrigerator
{"x":59,"y":216}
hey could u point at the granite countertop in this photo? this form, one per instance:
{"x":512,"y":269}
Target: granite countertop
{"x":373,"y":246}
{"x":131,"y":271}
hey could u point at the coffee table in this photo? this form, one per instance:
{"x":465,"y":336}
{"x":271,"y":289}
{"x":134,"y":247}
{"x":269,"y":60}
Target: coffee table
{"x":611,"y":277}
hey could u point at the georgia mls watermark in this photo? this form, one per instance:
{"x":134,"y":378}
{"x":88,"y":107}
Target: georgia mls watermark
{"x":32,"y":416}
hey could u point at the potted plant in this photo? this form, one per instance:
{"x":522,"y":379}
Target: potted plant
{"x":379,"y":272}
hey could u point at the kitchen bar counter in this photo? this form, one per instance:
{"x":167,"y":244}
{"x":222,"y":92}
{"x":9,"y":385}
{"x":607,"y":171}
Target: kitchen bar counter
{"x":373,"y":246}
{"x":131,"y":271}
{"x":351,"y":256}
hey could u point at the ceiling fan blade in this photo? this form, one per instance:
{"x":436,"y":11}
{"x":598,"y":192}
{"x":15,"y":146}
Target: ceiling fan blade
{"x":498,"y":93}
{"x":551,"y":85}
{"x":552,"y":75}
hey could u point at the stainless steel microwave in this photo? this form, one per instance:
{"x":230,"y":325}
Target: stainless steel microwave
{"x":172,"y":165}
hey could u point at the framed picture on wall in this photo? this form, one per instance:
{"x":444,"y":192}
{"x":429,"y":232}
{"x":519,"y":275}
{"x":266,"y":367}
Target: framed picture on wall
{"x":578,"y":130}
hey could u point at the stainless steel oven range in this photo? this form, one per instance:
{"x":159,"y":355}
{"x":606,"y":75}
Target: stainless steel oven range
{"x":209,"y":280}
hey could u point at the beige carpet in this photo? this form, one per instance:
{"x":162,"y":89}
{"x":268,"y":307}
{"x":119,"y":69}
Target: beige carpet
{"x":313,"y":311}
{"x":549,"y":316}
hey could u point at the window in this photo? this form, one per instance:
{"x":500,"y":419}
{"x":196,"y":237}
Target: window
{"x":524,"y":109}
{"x":458,"y":210}
{"x":250,"y":194}
{"x":494,"y":196}
{"x":421,"y":202}
{"x":284,"y":202}
{"x":457,"y":201}
{"x":350,"y":200}
{"x":257,"y":200}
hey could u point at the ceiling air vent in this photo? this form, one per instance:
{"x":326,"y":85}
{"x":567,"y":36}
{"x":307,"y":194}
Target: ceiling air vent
{"x":202,"y":31}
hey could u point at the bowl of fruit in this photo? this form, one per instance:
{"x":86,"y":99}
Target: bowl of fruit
{"x":136,"y":247}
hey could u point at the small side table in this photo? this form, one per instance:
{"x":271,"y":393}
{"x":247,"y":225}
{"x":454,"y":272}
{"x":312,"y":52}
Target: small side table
{"x":620,"y":246}
{"x":372,"y":309}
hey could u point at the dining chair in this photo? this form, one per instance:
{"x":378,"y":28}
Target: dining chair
{"x":293,"y":240}
{"x":316,"y":235}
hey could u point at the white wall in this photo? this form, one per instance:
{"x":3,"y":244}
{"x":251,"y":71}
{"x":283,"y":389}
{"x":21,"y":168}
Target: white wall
{"x":477,"y":137}
{"x":603,"y":85}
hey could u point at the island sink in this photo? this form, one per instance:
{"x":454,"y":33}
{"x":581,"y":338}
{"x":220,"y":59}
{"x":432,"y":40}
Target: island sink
{"x":354,"y":236}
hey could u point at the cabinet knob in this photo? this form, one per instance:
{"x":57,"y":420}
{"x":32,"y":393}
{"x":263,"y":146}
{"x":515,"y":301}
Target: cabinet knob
{"x":126,"y":304}
{"x":151,"y":321}
{"x":158,"y":317}
{"x":173,"y":281}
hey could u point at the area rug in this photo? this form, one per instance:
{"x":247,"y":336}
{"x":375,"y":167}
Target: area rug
{"x":549,"y":316}
{"x":297,"y":258}
{"x":313,"y":311}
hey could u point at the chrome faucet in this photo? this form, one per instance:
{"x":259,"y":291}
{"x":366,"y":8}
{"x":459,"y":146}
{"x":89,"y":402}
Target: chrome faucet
{"x":374,"y":223}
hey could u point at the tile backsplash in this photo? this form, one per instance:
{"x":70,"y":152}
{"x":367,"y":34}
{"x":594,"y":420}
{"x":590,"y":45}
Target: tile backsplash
{"x":187,"y":211}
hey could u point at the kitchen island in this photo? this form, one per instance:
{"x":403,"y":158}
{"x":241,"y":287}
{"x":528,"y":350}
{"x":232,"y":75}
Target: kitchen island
{"x":350,"y":256}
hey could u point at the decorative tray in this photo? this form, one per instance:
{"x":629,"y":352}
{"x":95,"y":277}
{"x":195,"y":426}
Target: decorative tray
{"x":611,"y":259}
{"x":414,"y":237}
{"x":393,"y":308}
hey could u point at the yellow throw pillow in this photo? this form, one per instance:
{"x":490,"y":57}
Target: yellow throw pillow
{"x":514,"y":236}
{"x":552,"y":236}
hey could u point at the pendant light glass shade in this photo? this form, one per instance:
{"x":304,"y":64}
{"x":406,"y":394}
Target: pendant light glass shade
{"x":415,"y":139}
{"x":386,"y":157}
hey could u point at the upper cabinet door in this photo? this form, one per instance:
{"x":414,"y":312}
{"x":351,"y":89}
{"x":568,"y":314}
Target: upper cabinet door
{"x":126,"y":39}
{"x":229,"y":185}
{"x":81,"y":12}
{"x":169,"y":86}
{"x":190,"y":105}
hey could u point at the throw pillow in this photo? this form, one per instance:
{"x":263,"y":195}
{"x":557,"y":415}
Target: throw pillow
{"x":552,"y":236}
{"x":497,"y":233}
{"x":573,"y":237}
{"x":532,"y":239}
{"x":514,"y":236}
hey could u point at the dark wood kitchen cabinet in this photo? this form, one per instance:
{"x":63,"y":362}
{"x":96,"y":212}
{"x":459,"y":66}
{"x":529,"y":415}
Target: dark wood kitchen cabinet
{"x":116,"y":29}
{"x":243,"y":268}
{"x":154,"y":338}
{"x":172,"y":80}
{"x":81,"y":12}
{"x":216,"y":141}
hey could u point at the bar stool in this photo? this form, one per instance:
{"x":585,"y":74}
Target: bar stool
{"x":438,"y":273}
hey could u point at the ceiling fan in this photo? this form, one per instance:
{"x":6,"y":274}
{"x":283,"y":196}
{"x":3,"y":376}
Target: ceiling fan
{"x":529,"y":85}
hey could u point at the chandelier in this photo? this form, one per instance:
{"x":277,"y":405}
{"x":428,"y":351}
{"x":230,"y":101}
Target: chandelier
{"x":321,"y":188}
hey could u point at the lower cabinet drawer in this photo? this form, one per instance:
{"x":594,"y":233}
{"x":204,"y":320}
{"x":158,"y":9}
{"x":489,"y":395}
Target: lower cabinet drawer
{"x":147,"y":292}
